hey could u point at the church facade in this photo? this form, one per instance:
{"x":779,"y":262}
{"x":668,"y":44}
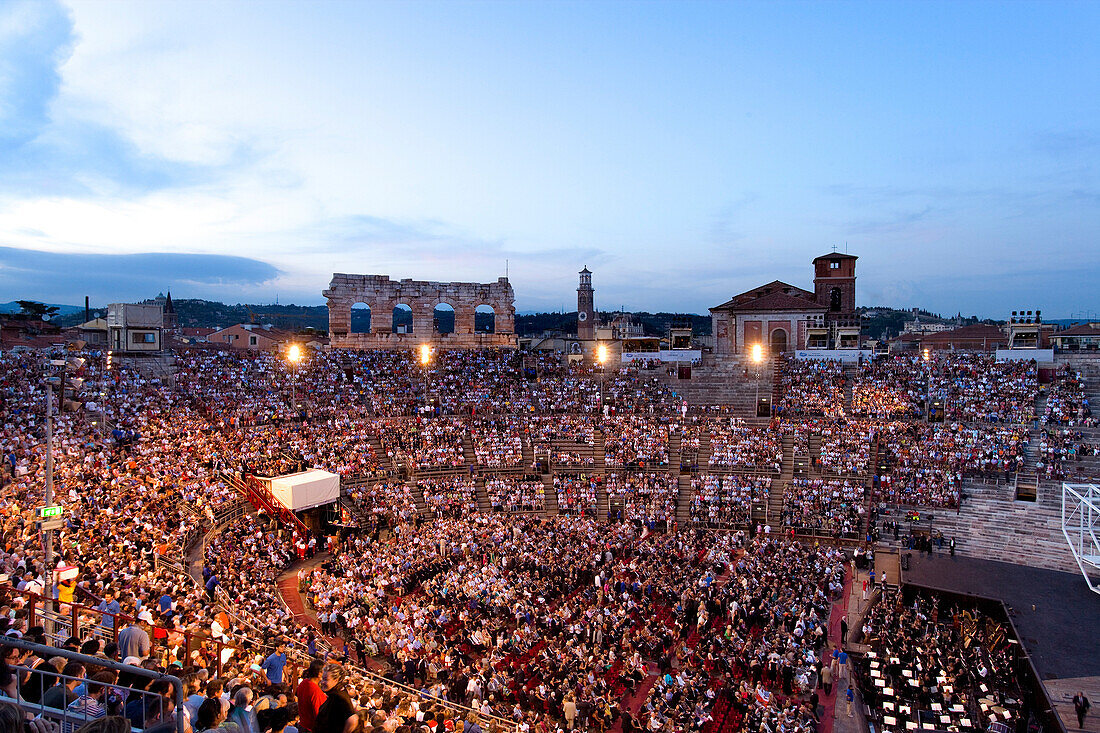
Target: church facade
{"x":782,"y":317}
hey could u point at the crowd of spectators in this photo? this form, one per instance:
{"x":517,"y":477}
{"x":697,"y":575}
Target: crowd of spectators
{"x":976,"y":388}
{"x":846,"y":447}
{"x":691,"y":437}
{"x":511,"y":494}
{"x":926,"y":463}
{"x":811,"y":387}
{"x":723,"y":501}
{"x":579,"y":429}
{"x":518,"y":599}
{"x":392,"y":501}
{"x":448,"y":496}
{"x":763,"y":635}
{"x":577,"y":493}
{"x":890,"y":388}
{"x":245,"y":560}
{"x":423,"y":443}
{"x":827,"y":505}
{"x":645,"y":497}
{"x":1066,"y":402}
{"x":537,"y":619}
{"x":734,"y":444}
{"x":800,"y":432}
{"x":498,"y":442}
{"x":635,"y":441}
{"x":1059,"y":447}
{"x":564,"y":458}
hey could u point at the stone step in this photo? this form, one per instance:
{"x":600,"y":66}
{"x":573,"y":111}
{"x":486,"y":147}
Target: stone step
{"x":551,"y":502}
{"x":483,"y":503}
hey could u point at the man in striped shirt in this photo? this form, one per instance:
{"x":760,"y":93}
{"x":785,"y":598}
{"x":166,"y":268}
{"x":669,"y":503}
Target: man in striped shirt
{"x":89,"y":706}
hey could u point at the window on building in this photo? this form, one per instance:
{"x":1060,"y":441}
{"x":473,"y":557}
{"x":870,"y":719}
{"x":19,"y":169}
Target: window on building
{"x":251,"y":340}
{"x":834,"y":265}
{"x":142,"y":338}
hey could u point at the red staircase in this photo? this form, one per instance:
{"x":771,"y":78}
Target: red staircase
{"x":261,"y":497}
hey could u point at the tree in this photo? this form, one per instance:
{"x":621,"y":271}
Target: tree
{"x":35,"y":309}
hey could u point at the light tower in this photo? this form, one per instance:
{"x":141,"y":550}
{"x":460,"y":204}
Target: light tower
{"x":586,"y":309}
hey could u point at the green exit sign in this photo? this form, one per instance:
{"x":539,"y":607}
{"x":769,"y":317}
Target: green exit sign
{"x":49,"y":511}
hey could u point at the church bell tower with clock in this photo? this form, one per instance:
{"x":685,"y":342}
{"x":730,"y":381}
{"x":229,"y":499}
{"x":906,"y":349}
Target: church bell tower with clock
{"x":586,"y":311}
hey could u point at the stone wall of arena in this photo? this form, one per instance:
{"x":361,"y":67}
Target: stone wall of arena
{"x":382,"y":295}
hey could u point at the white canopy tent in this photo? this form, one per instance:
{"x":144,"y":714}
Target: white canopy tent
{"x":298,"y":491}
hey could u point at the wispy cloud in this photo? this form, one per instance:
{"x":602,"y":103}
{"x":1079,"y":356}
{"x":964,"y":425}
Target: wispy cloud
{"x":726,"y":228}
{"x":1066,"y":143}
{"x":65,"y":278}
{"x":44,"y":153}
{"x":429,"y":240}
{"x":900,"y":221}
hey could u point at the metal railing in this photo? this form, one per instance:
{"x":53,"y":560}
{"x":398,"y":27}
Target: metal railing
{"x":86,"y":622}
{"x":70,"y":717}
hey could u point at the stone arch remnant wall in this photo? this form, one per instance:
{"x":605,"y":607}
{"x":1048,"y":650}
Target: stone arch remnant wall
{"x":382,"y":294}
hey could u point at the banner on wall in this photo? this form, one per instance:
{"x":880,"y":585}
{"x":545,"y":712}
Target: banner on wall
{"x":667,"y":356}
{"x":838,"y":354}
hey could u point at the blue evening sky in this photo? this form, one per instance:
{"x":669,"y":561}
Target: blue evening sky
{"x":682,"y":151}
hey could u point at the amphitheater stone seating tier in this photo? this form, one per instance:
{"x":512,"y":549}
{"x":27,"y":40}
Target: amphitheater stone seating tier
{"x":226,"y":416}
{"x":993,"y":525}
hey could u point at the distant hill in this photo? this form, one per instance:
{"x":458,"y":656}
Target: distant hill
{"x":654,"y":324}
{"x":62,"y":310}
{"x":193,"y":313}
{"x":880,"y":321}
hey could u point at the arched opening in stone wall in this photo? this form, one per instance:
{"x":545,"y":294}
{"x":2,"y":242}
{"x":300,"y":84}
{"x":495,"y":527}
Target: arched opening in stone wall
{"x":443,"y":318}
{"x":360,"y":318}
{"x":485,"y":319}
{"x":834,"y":300}
{"x":779,"y":341}
{"x":402,"y":319}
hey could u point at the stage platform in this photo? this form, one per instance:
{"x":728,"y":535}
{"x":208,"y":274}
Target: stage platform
{"x":1056,"y":615}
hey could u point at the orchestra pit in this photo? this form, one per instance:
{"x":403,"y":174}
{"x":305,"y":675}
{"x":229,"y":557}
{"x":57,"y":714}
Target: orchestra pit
{"x":489,"y":539}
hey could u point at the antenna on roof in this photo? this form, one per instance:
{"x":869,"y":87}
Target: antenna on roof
{"x":506,"y":269}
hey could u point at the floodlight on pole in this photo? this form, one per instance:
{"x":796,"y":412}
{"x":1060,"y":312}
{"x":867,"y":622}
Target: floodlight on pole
{"x":56,"y":374}
{"x":757,"y":359}
{"x":425,"y":354}
{"x":928,"y":388}
{"x":294,"y":355}
{"x":601,"y":354}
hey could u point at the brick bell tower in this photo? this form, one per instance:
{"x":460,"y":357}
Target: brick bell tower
{"x":586,"y":309}
{"x":835,"y":285}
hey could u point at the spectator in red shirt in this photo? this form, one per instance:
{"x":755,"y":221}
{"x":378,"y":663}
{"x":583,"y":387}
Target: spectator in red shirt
{"x":310,"y":696}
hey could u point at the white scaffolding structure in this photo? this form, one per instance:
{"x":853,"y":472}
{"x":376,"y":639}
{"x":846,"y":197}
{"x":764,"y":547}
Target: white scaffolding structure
{"x":1081,"y":527}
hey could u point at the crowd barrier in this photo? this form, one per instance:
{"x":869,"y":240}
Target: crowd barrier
{"x":68,"y":719}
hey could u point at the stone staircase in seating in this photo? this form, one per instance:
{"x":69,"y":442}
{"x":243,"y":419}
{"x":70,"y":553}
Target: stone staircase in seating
{"x":468,"y":450}
{"x":482,"y":494}
{"x":724,"y":383}
{"x":849,"y":370}
{"x":683,"y":503}
{"x":552,"y":509}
